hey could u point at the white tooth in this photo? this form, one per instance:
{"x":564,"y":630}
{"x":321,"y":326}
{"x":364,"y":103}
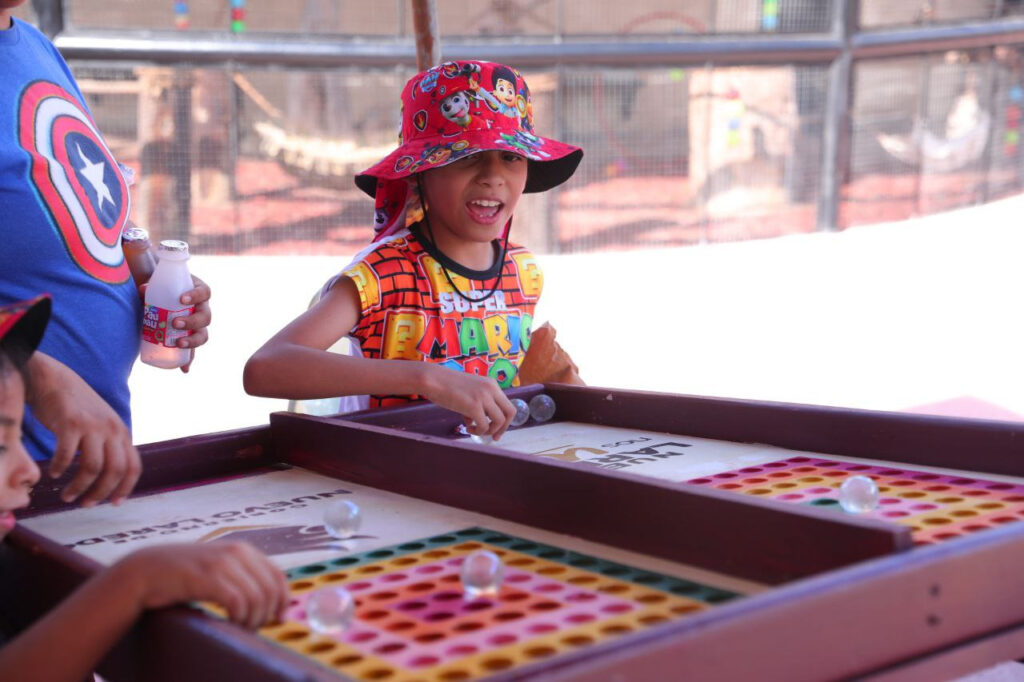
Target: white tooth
{"x":483,"y":202}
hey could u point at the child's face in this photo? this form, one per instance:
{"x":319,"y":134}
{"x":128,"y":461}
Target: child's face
{"x":473,"y":198}
{"x":18,"y":473}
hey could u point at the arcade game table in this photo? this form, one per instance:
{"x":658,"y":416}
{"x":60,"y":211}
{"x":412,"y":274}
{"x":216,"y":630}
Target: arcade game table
{"x":644,"y":536}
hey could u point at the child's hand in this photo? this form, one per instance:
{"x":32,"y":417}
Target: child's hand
{"x":477,"y":398}
{"x":233,"y":575}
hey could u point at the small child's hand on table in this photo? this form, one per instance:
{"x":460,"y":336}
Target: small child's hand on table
{"x":233,"y":575}
{"x":477,"y":398}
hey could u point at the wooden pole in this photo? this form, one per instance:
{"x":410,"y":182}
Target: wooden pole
{"x":428,"y":41}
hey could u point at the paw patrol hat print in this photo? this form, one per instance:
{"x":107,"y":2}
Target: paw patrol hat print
{"x":22,"y":325}
{"x":461,"y":108}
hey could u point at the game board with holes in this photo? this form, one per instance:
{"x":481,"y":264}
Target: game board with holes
{"x":611,"y":573}
{"x":936,"y":506}
{"x":413,"y":622}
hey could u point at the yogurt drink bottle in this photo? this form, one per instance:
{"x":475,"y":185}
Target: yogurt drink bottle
{"x":163,"y":306}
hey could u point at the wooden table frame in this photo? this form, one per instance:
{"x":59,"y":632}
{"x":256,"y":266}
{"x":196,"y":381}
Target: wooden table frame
{"x":852,"y":597}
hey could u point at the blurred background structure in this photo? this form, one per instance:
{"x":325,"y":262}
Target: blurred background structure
{"x":704,"y":120}
{"x":811,"y":201}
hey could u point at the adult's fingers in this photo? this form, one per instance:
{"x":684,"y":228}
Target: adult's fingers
{"x":67,"y":444}
{"x":90,"y":465}
{"x":133,"y":469}
{"x":199,"y":293}
{"x":115,"y":467}
{"x":188,"y":365}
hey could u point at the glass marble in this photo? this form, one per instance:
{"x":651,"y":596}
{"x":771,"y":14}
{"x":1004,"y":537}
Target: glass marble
{"x":542,"y":407}
{"x":342,"y":519}
{"x":482,"y":573}
{"x":522,"y":412}
{"x":330,"y":610}
{"x":858,"y":494}
{"x":481,"y":440}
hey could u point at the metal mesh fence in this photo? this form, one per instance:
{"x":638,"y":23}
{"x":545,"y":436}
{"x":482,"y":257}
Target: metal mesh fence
{"x":461,"y":18}
{"x":247,"y":160}
{"x":933,"y":133}
{"x":261,"y":161}
{"x":889,"y":13}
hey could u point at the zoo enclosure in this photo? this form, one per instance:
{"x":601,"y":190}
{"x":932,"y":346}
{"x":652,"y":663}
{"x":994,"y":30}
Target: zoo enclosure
{"x":703,"y":120}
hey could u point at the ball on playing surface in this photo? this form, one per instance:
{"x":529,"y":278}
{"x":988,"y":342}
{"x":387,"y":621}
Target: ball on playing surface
{"x":522,"y":412}
{"x":542,"y":407}
{"x":330,"y":610}
{"x":858,"y":494}
{"x":482,"y":573}
{"x":342,"y":519}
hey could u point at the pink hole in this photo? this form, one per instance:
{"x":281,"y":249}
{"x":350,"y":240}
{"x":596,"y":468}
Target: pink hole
{"x":895,"y":514}
{"x":581,"y":596}
{"x":616,"y":608}
{"x":501,"y":640}
{"x":430,"y":568}
{"x":394,"y":577}
{"x":581,"y":618}
{"x":462,"y":650}
{"x":791,"y":496}
{"x":517,"y":578}
{"x":424,"y":661}
{"x":541,"y":628}
{"x":361,"y":585}
{"x":364,"y":636}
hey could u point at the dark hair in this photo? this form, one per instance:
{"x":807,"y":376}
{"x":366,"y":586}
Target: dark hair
{"x":502,"y":73}
{"x":14,"y":357}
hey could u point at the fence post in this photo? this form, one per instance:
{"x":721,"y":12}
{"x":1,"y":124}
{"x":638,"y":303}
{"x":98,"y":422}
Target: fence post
{"x":835,"y":145}
{"x":428,"y":40}
{"x":50,"y":15}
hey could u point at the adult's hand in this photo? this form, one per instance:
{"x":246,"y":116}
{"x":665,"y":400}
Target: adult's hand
{"x":199,"y":297}
{"x":108,"y":463}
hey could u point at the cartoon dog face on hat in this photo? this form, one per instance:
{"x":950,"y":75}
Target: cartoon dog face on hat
{"x":455,"y":108}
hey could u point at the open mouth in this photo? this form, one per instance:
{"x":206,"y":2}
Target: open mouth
{"x":484,"y":210}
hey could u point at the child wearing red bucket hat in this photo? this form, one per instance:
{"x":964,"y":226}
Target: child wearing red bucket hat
{"x":85,"y":626}
{"x":441,"y":284}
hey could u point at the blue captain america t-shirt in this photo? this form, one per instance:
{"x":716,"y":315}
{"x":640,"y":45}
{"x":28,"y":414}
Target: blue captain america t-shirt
{"x":63,"y":203}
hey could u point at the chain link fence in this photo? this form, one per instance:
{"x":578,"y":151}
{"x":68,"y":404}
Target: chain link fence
{"x":240,"y":159}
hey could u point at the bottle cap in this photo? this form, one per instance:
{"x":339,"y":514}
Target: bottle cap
{"x":174,"y":246}
{"x":135,"y":234}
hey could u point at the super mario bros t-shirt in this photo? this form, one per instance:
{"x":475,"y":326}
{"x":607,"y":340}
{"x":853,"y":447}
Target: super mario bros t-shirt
{"x":411,"y":311}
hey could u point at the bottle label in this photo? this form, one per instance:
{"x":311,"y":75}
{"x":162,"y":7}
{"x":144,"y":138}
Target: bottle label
{"x":157,"y":325}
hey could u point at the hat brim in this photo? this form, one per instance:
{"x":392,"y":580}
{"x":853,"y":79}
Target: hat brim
{"x":22,"y":326}
{"x":550,"y":162}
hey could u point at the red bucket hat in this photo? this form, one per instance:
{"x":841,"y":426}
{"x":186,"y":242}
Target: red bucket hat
{"x":457,"y":109}
{"x":22,"y":325}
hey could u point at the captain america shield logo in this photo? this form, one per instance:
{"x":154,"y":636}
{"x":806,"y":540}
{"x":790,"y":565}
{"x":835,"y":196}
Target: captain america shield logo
{"x":76,"y":178}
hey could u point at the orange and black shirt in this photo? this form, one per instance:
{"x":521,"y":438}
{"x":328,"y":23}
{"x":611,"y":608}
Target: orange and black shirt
{"x":411,"y":312}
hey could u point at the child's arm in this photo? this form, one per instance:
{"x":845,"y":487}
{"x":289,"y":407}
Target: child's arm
{"x":295,"y":364}
{"x":70,"y":641}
